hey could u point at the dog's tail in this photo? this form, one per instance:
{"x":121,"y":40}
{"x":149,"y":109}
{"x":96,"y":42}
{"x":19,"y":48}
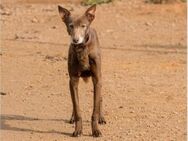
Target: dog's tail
{"x":86,"y":79}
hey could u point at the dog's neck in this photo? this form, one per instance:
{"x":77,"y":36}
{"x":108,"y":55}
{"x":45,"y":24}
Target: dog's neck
{"x":88,"y":37}
{"x":82,"y":51}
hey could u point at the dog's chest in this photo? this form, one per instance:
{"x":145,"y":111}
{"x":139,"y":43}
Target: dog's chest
{"x":80,"y":60}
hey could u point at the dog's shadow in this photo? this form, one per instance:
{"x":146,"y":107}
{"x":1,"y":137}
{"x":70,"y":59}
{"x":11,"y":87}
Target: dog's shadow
{"x":5,"y":126}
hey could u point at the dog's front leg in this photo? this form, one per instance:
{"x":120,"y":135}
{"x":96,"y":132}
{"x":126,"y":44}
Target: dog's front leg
{"x":77,"y":115}
{"x":96,"y":109}
{"x":101,"y":115}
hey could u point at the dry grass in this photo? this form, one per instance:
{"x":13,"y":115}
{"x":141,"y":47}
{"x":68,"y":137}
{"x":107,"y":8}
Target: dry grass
{"x":164,"y":1}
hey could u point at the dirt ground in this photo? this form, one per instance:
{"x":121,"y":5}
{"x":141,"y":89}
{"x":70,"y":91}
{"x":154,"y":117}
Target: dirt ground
{"x":143,"y":67}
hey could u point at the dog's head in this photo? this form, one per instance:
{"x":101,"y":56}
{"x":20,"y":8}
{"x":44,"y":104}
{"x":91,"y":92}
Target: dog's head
{"x":77,"y":28}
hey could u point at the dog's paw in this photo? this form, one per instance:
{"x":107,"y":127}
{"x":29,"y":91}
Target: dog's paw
{"x":102,"y":120}
{"x":77,"y":133}
{"x":97,"y":133}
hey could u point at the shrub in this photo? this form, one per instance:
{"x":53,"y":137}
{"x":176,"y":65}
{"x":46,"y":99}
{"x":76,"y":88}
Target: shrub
{"x":91,"y":2}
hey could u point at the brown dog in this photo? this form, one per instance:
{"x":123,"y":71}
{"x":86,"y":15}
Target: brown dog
{"x":84,"y":60}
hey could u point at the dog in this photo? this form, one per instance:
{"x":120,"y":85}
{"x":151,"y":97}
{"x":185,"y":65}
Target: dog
{"x":84,"y":61}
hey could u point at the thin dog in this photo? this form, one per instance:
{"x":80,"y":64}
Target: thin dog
{"x":84,"y":60}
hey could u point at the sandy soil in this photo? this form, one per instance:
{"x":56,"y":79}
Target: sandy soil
{"x":143,"y":67}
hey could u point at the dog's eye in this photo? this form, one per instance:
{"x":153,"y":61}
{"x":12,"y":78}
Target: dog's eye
{"x":83,"y":26}
{"x":71,"y":25}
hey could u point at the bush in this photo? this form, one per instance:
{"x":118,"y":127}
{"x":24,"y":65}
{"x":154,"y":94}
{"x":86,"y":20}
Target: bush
{"x":164,"y":1}
{"x":91,"y":2}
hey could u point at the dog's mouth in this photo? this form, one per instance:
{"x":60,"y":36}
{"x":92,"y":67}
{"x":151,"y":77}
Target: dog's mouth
{"x":85,"y":40}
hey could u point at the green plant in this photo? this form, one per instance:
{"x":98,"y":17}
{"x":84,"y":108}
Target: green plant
{"x":91,"y":2}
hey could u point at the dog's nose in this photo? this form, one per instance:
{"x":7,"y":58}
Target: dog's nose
{"x":75,"y":41}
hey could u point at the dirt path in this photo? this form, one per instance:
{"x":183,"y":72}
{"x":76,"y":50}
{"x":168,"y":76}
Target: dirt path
{"x":143,"y":66}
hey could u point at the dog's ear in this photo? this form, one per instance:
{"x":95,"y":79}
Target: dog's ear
{"x":64,"y":13}
{"x":90,"y":13}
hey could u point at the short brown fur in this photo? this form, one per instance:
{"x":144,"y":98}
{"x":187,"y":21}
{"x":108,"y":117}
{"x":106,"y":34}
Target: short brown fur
{"x":84,"y":60}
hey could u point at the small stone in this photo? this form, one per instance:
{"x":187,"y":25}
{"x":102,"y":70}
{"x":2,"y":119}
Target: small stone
{"x":54,"y":27}
{"x":16,"y":36}
{"x":148,"y":24}
{"x":109,"y":30}
{"x":2,"y":93}
{"x":65,"y":58}
{"x":34,"y":20}
{"x":6,"y":13}
{"x":49,"y":57}
{"x":120,"y":107}
{"x":38,"y":52}
{"x":131,"y":111}
{"x":174,"y":112}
